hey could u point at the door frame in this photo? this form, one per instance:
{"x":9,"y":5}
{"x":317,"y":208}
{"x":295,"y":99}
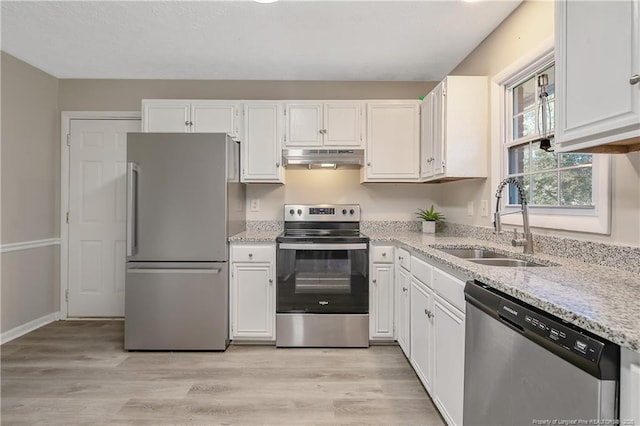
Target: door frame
{"x":65,"y":127}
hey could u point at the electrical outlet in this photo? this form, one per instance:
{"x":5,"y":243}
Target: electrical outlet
{"x":470,"y":208}
{"x":484,"y":208}
{"x":255,"y":205}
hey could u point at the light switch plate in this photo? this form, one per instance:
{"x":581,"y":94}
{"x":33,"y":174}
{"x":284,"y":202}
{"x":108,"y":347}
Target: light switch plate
{"x":255,"y":205}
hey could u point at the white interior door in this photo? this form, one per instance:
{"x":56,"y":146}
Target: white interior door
{"x":97,"y":197}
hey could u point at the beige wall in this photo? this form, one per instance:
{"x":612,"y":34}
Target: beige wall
{"x":524,"y":30}
{"x":104,"y":95}
{"x":30,"y":191}
{"x":379,"y":201}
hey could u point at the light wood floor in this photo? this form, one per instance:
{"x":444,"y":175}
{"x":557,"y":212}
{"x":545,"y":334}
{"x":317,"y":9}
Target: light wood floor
{"x":77,"y":373}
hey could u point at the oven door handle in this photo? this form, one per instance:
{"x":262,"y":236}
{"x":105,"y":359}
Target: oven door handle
{"x":323,"y":246}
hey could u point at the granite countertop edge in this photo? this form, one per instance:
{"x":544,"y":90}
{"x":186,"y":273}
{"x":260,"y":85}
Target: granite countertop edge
{"x":598,"y":299}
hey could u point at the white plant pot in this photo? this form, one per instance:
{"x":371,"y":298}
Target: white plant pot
{"x":428,"y":227}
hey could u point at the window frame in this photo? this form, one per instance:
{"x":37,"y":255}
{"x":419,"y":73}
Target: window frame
{"x":596,"y":219}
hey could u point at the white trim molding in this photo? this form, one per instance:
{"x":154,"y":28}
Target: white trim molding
{"x":28,"y":327}
{"x":65,"y":127}
{"x":26,"y":245}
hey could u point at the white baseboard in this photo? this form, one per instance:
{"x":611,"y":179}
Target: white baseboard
{"x":23,"y":329}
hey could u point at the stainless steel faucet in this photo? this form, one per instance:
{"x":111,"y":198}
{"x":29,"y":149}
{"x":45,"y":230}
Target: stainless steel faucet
{"x":527,"y":240}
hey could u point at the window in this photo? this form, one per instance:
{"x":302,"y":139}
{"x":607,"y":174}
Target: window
{"x":551,"y":180}
{"x":569,"y":192}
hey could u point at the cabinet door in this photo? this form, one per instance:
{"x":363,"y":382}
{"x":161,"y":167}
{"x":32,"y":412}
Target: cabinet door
{"x":343,"y":125}
{"x":261,"y":150}
{"x":381,"y":309}
{"x":449,"y":360}
{"x":214,"y":117}
{"x":422,"y":347}
{"x":166,"y":116}
{"x":252,"y":301}
{"x":403,"y":306}
{"x":597,"y":47}
{"x":426,"y":136}
{"x":438,"y":141}
{"x":393,"y":142}
{"x":304,"y":125}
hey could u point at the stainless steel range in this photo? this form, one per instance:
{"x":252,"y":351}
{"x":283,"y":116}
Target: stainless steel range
{"x":323,"y":278}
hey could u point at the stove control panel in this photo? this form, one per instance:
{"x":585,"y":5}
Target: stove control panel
{"x":322,"y":213}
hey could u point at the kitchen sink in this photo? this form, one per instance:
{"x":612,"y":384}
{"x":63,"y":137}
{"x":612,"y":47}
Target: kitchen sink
{"x":470,"y":253}
{"x":504,"y":262}
{"x":487,"y":257}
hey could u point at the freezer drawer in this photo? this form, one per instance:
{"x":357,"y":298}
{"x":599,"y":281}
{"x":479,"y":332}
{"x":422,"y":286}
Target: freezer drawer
{"x":176,"y":306}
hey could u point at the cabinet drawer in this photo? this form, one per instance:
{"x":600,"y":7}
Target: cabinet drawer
{"x":382,"y":254}
{"x":449,"y":288}
{"x":252,"y":253}
{"x":422,"y":271}
{"x":404,"y":259}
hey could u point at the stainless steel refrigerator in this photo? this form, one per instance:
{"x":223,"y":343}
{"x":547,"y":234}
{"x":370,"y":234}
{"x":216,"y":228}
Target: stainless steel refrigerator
{"x":184,"y":199}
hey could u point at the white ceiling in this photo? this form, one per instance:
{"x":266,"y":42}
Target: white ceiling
{"x":243,"y":40}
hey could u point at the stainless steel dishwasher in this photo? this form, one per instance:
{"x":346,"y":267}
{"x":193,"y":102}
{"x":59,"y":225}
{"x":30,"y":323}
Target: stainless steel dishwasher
{"x":526,"y":367}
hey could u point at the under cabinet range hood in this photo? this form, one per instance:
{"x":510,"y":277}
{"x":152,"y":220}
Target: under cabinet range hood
{"x":323,"y":158}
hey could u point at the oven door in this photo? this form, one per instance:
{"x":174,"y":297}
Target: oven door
{"x":326,"y":278}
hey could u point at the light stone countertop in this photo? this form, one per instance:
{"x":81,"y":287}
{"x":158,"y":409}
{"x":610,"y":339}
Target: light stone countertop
{"x":255,"y":236}
{"x":604,"y":301}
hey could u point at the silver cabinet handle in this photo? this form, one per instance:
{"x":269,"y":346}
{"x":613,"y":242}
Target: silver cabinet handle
{"x":374,"y":281}
{"x":186,"y":123}
{"x":384,"y":254}
{"x":132,"y":208}
{"x":191,"y":123}
{"x":428,"y":313}
{"x":634,"y":79}
{"x":214,"y":271}
{"x":270,"y":280}
{"x":250,"y":255}
{"x":277,"y":164}
{"x":404,"y":289}
{"x":368,"y":164}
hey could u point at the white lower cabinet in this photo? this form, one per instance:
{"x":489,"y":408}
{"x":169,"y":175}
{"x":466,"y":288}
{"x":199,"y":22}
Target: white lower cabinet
{"x":403,"y":309}
{"x":432,"y":313}
{"x":449,"y":360}
{"x":253,"y":292}
{"x":381,"y":321}
{"x":422,"y":348}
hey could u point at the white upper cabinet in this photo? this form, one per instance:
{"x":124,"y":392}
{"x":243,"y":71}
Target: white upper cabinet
{"x":166,"y":116}
{"x":393,"y":142}
{"x":597,"y":76}
{"x":335,"y":124}
{"x":261,"y":143}
{"x":190,"y":116}
{"x":454,"y":134}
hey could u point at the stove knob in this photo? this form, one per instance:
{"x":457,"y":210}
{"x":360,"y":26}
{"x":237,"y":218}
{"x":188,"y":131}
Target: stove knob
{"x":291,"y":212}
{"x":344,"y":211}
{"x":299,"y":212}
{"x":352,"y":211}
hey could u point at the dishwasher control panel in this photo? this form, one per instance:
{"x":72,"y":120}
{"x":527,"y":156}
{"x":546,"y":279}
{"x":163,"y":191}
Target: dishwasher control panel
{"x":558,"y":333}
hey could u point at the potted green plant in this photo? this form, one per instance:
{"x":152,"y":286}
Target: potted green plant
{"x":429,"y":219}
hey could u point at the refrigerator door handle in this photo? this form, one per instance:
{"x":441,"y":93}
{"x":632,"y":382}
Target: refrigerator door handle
{"x":132,"y":208}
{"x":214,"y":271}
